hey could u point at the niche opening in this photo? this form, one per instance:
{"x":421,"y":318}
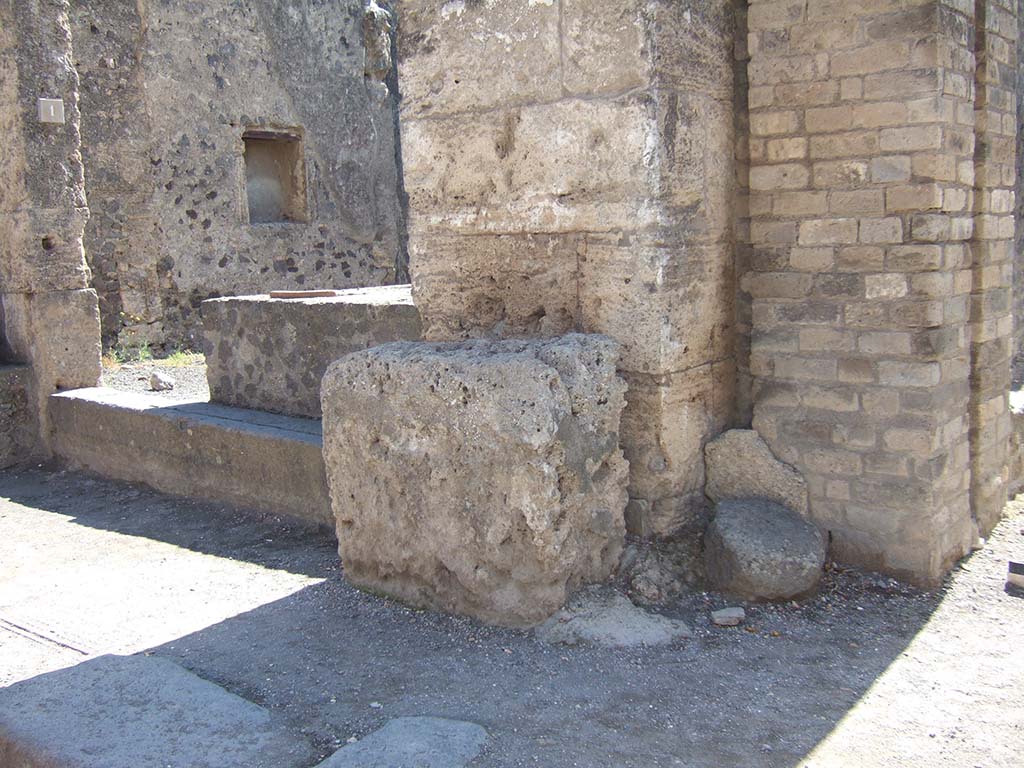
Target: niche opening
{"x":275,"y":176}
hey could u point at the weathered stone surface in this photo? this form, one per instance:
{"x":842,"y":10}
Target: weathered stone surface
{"x":462,"y":56}
{"x":571,"y":166}
{"x":17,"y":433}
{"x":758,"y":550}
{"x":271,"y":354}
{"x":255,"y":460}
{"x":166,"y":166}
{"x":51,"y":244}
{"x":423,"y":742}
{"x":139,"y":710}
{"x":603,"y":617}
{"x":740,"y":465}
{"x":507,"y":285}
{"x":597,"y":197}
{"x":50,"y":321}
{"x":664,"y":426}
{"x":671,"y":307}
{"x":482,"y":478}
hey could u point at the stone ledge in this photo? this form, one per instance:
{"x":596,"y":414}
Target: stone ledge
{"x":263,"y":461}
{"x":271,"y":354}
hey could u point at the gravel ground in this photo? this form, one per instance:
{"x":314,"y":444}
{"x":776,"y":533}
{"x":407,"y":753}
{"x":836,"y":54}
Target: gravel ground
{"x":868,"y":673}
{"x":189,"y":380}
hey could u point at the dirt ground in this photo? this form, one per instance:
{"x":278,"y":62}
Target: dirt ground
{"x":868,"y":673}
{"x":187,"y":371}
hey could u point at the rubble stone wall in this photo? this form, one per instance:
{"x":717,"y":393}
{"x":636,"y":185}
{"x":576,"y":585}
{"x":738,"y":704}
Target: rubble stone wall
{"x":881,"y":219}
{"x":570,"y":165}
{"x":168,"y":89}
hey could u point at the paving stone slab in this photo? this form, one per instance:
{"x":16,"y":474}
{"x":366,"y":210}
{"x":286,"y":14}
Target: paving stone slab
{"x":413,"y":742}
{"x":138,"y":711}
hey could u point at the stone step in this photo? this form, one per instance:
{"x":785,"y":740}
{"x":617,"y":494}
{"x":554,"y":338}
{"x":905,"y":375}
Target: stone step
{"x":263,"y":461}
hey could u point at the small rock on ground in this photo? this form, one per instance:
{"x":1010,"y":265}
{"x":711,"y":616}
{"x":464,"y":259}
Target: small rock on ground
{"x":607,"y":618}
{"x":728,"y":617}
{"x":413,"y":742}
{"x":160,"y":382}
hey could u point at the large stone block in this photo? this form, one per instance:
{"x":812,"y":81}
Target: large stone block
{"x":670,"y":306}
{"x":500,"y":285}
{"x":574,"y":165}
{"x":482,"y":478}
{"x":59,"y":334}
{"x":270,"y":354}
{"x":460,"y":56}
{"x":42,"y":250}
{"x":740,"y":465}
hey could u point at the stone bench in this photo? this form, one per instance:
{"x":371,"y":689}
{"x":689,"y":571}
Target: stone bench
{"x":270,"y":354}
{"x":482,"y":478}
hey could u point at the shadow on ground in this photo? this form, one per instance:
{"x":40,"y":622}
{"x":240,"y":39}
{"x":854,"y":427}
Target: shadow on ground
{"x":333,"y":662}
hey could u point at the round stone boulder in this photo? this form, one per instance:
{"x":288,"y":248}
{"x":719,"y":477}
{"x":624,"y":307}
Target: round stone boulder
{"x":759,"y":550}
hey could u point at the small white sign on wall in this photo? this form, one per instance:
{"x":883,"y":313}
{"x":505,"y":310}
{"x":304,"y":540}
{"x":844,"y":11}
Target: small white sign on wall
{"x":51,"y":111}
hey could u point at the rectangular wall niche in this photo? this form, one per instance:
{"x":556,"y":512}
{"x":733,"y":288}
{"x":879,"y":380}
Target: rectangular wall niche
{"x":275,"y":176}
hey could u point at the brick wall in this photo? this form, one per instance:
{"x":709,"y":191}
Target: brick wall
{"x":867,"y":278}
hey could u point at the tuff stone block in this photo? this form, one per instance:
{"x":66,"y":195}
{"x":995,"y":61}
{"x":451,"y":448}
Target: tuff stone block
{"x":482,"y":478}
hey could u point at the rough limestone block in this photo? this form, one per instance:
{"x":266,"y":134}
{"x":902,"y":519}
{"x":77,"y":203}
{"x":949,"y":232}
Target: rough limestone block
{"x":571,"y":166}
{"x":456,"y":57}
{"x":482,"y":478}
{"x":740,"y":465}
{"x":270,"y":354}
{"x":757,"y":550}
{"x":511,"y":285}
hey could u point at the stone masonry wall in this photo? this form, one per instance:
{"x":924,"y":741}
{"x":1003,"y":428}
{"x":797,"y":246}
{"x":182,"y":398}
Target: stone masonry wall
{"x":167,"y":91}
{"x":569,"y":165}
{"x":50,"y":321}
{"x":1018,"y":264}
{"x":875,"y":260}
{"x":992,"y":256}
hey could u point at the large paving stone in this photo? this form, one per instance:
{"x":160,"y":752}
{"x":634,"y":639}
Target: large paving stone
{"x":758,"y":550}
{"x":271,"y":354}
{"x":146,"y":712}
{"x":413,"y":742}
{"x":482,"y":478}
{"x":740,"y":465}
